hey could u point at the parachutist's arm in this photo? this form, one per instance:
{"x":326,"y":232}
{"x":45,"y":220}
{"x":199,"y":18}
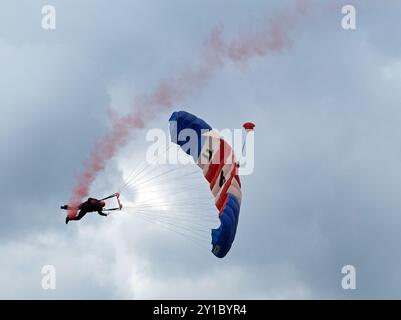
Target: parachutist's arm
{"x":102,"y":214}
{"x":109,"y":197}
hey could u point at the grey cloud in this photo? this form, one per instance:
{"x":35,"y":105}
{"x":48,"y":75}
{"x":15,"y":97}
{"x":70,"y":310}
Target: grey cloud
{"x":325,"y":188}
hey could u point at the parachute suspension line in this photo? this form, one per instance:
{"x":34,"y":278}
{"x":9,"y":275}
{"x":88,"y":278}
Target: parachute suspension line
{"x":183,"y":207}
{"x":175,"y":189}
{"x":178,"y":231}
{"x":150,"y":184}
{"x":182,"y":204}
{"x":142,"y":183}
{"x":171,"y":205}
{"x":141,"y":174}
{"x":162,"y":206}
{"x":134,"y":173}
{"x":138,"y":182}
{"x":139,"y":167}
{"x":178,"y":215}
{"x":130,"y":175}
{"x":185,"y":229}
{"x":139,"y":178}
{"x":166,"y":187}
{"x":190,"y":236}
{"x":187,"y":201}
{"x":188,"y":221}
{"x":201,"y":230}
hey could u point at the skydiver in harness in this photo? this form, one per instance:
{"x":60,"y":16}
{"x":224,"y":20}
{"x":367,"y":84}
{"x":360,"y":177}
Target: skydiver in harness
{"x":91,"y":205}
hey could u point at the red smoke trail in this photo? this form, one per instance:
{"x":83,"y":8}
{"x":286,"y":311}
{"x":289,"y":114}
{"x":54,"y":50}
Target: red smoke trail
{"x":216,"y":51}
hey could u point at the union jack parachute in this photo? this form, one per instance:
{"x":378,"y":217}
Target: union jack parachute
{"x":215,"y":157}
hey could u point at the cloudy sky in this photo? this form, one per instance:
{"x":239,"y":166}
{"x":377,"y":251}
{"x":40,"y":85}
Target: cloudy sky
{"x":325,"y":190}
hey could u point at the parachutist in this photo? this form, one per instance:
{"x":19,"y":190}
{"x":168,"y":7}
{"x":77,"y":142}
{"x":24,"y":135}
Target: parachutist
{"x":91,"y":205}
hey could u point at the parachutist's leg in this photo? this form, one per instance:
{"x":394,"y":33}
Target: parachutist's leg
{"x":80,"y":215}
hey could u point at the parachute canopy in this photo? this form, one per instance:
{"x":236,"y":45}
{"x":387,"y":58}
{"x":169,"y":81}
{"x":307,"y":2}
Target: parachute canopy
{"x":216,"y":159}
